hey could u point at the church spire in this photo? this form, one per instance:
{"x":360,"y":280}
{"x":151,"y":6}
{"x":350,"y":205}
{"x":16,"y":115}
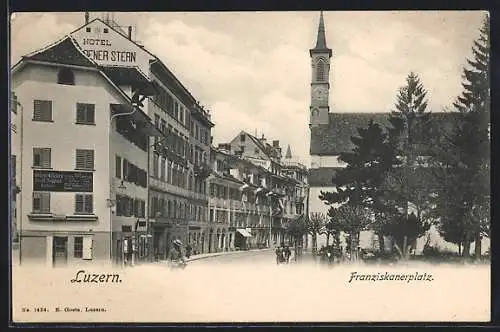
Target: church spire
{"x":288,"y":153}
{"x":321,"y":38}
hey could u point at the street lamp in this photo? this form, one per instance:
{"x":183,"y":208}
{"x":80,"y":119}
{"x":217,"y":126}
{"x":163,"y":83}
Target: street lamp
{"x":269,"y":194}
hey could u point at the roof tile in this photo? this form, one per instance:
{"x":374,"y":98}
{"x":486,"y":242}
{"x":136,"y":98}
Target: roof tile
{"x":334,"y":138}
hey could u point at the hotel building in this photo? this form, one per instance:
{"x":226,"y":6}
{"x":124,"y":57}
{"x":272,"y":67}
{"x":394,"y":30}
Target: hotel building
{"x":98,"y":113}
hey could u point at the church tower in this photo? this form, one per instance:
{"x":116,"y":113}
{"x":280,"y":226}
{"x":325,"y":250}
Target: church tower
{"x":320,"y":78}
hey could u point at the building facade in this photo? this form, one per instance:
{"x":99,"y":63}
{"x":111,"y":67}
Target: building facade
{"x":71,"y":209}
{"x":15,"y":147}
{"x":273,"y":191}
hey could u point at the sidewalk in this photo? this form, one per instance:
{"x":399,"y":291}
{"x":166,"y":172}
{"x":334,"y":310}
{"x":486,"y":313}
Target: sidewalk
{"x":215,"y":254}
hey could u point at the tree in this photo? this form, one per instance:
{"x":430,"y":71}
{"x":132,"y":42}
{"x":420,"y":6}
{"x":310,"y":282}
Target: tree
{"x":410,"y":184}
{"x":466,"y":160}
{"x":315,"y":225}
{"x":359,"y":183}
{"x":297,"y":228}
{"x":350,"y":219}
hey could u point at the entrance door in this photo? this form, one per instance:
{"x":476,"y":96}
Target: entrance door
{"x":60,"y":251}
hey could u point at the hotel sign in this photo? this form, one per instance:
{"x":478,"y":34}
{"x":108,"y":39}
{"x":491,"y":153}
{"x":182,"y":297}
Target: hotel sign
{"x":63,"y":181}
{"x":101,"y":50}
{"x":108,"y":47}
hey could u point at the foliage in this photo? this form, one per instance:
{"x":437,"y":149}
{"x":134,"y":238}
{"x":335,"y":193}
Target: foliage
{"x":464,"y":163}
{"x":315,"y":224}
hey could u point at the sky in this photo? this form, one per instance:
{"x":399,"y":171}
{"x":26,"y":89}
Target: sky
{"x":252,"y":70}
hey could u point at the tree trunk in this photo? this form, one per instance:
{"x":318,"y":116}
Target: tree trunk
{"x":314,"y":243}
{"x":327,"y":239}
{"x":460,"y":248}
{"x":381,"y":242}
{"x":466,"y":249}
{"x":477,"y":246}
{"x":405,"y":247}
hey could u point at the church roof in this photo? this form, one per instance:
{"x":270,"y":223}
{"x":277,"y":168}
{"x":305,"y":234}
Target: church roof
{"x":335,"y":137}
{"x":322,"y":177}
{"x":64,"y":51}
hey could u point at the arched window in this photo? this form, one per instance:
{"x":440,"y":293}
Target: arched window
{"x":315,"y":112}
{"x":320,"y":70}
{"x":65,"y":76}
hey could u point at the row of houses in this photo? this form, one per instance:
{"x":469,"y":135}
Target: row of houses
{"x":112,"y":158}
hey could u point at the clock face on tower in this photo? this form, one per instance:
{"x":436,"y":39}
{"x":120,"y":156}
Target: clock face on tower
{"x":320,"y":93}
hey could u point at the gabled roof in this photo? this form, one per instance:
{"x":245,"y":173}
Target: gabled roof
{"x":335,"y":137}
{"x":64,"y":51}
{"x":259,"y":144}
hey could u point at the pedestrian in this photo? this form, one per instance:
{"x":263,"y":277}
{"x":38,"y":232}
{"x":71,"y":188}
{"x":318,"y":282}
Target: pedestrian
{"x":287,"y":254}
{"x":279,"y":254}
{"x":188,"y":250}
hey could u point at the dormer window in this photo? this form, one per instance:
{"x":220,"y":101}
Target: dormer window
{"x":65,"y":76}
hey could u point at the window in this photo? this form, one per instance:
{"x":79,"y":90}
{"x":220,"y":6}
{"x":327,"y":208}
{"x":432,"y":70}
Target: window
{"x":41,"y":157}
{"x":84,"y":159}
{"x":162,"y":168}
{"x":65,"y":76}
{"x":157,"y":121}
{"x":125,"y":169}
{"x":14,"y":102}
{"x":42,"y":110}
{"x":87,"y":29}
{"x":78,"y":247}
{"x":106,"y":30}
{"x":41,"y":202}
{"x":320,"y":71}
{"x":85,"y":113}
{"x":242,"y":138}
{"x":118,"y":167}
{"x":155,"y":166}
{"x":13,"y":165}
{"x":84,"y":204}
{"x":163,"y":126}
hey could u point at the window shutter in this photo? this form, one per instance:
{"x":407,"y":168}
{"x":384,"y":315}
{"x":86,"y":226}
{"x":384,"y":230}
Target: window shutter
{"x":89,"y":204}
{"x":91,"y":113}
{"x":87,"y":247}
{"x":37,"y":109}
{"x":125,"y":169}
{"x":46,"y":202}
{"x":80,"y":113}
{"x":79,"y":203}
{"x":136,"y":208}
{"x":118,"y":167}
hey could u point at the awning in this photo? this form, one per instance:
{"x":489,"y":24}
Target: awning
{"x":244,"y":232}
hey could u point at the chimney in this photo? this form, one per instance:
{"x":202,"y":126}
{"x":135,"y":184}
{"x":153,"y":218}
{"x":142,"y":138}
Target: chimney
{"x":130,"y":32}
{"x":87,"y":17}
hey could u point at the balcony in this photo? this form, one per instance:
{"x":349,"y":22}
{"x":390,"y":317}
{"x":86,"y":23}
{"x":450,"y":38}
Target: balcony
{"x":167,"y":187}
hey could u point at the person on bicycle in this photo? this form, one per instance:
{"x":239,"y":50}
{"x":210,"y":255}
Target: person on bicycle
{"x":176,"y":252}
